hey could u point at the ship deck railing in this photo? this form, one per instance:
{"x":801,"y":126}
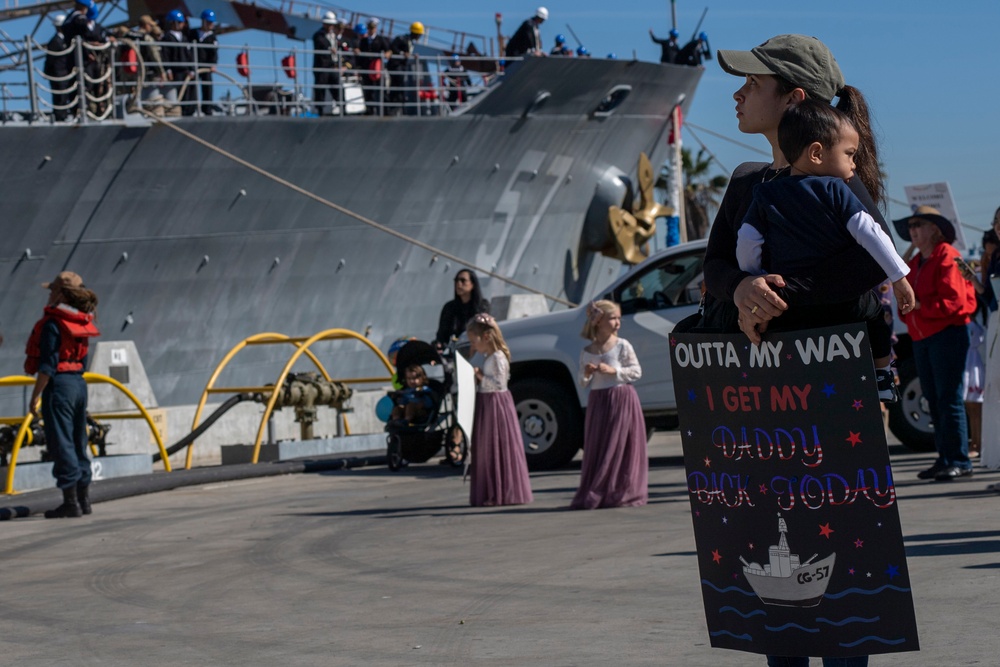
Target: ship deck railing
{"x":118,"y":80}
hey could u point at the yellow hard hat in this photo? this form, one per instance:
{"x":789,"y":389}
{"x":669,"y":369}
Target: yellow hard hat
{"x":416,"y":28}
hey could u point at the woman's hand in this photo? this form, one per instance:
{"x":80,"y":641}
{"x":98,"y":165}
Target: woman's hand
{"x":590,"y":369}
{"x":607,"y":369}
{"x":758,"y":303}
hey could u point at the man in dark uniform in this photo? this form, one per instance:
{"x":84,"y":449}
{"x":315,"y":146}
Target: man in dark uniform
{"x":403,"y":65}
{"x":326,"y":76}
{"x":694,"y":51}
{"x":208,"y":57}
{"x":59,"y":67}
{"x":669,"y":46}
{"x":527,"y":41}
{"x":178,"y":61}
{"x":561,"y":49}
{"x":372,"y":47}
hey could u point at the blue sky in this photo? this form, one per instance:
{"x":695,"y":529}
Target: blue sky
{"x":928,"y":69}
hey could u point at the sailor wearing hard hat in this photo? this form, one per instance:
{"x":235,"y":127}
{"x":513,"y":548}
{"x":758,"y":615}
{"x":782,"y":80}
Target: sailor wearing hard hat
{"x":527,"y":41}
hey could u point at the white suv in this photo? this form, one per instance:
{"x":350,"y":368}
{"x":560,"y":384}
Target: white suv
{"x":545,"y":349}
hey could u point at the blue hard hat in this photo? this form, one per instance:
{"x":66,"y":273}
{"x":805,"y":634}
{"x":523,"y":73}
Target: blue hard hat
{"x":91,"y":13}
{"x":208,"y":15}
{"x":361,"y":29}
{"x":89,"y":4}
{"x":175,"y":16}
{"x":582,"y":51}
{"x":612,"y":56}
{"x":674,"y":33}
{"x":560,"y":39}
{"x":702,"y":36}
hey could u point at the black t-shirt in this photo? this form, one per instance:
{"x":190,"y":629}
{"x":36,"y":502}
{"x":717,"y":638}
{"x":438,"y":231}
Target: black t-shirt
{"x":455,"y":315}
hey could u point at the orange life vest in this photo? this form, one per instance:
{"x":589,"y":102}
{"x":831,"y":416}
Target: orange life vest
{"x":75,"y":330}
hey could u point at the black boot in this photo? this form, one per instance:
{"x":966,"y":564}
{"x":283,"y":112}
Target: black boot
{"x":69,"y":508}
{"x":83,"y":497}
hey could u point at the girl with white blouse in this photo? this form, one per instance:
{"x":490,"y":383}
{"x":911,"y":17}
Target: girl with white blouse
{"x":615,"y":464}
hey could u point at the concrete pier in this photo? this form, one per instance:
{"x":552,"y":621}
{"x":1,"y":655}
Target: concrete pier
{"x":369,"y":567}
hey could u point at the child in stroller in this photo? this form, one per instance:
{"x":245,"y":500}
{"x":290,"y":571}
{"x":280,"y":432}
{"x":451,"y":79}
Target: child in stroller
{"x":423,"y":417}
{"x":412,"y":404}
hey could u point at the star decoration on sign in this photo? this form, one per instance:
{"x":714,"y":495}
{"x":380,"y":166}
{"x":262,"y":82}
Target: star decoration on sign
{"x":864,"y":378}
{"x":788,"y":357}
{"x":857,"y":404}
{"x":690,"y":433}
{"x":893,"y":571}
{"x":750,"y":546}
{"x":673,"y":341}
{"x":868,"y":574}
{"x":853,"y":438}
{"x":691,"y":395}
{"x":763,"y":489}
{"x":858,"y":543}
{"x":744,"y":375}
{"x":725,"y":521}
{"x":708,"y":462}
{"x":828,"y":389}
{"x":825,"y":530}
{"x":850,"y":571}
{"x":716,"y":556}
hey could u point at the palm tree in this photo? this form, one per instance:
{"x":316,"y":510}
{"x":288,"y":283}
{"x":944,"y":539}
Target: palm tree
{"x":702,"y":192}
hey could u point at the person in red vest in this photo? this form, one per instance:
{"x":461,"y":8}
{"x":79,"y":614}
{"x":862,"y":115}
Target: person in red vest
{"x":57,"y":353}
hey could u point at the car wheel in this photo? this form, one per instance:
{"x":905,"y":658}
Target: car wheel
{"x":551,"y":422}
{"x":910,"y":418}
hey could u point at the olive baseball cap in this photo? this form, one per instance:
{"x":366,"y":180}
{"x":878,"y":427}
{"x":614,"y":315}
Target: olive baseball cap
{"x":801,"y":60}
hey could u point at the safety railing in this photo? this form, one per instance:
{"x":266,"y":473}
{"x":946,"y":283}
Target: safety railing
{"x":24,"y":433}
{"x":302,"y":347}
{"x":92,"y":82}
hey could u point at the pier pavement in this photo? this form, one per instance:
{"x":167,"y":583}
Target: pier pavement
{"x":369,"y":567}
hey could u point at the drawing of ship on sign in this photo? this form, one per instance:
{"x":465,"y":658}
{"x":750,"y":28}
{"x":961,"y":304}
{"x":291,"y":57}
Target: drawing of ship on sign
{"x":786,"y":582}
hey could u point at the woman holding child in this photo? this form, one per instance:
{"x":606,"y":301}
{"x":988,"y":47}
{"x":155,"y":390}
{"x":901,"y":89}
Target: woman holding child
{"x":779,"y":74}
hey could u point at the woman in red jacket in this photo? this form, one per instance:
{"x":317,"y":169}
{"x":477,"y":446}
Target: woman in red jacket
{"x":57,"y":353}
{"x":937,"y":325}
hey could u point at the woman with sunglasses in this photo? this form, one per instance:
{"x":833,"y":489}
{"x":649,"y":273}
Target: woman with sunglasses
{"x":455,"y":314}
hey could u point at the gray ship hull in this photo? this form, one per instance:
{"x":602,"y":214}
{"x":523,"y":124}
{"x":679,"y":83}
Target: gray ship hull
{"x":190,"y":252}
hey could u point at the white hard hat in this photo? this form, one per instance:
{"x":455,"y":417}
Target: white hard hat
{"x":542,"y":13}
{"x":58,"y":20}
{"x":329,"y":18}
{"x":373,"y":21}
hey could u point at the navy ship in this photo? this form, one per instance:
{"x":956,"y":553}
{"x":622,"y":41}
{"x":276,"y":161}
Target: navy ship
{"x":191,"y":252}
{"x":784,"y":580}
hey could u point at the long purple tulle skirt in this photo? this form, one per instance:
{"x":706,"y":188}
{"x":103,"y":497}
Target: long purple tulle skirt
{"x":499,"y":470}
{"x":615,"y":465}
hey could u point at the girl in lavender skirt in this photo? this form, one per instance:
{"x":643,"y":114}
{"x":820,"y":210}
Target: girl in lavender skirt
{"x":499,"y":469}
{"x":615,"y":466}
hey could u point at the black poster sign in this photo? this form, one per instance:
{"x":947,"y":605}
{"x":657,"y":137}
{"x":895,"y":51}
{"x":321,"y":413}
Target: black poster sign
{"x":799,"y":545}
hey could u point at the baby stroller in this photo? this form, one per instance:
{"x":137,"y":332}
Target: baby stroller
{"x":416,"y":442}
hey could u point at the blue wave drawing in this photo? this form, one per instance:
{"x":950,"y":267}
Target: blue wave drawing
{"x":790,"y":625}
{"x":852,"y":619}
{"x":727,"y":632}
{"x":890,"y":642}
{"x":862,"y":591}
{"x":755,"y":612}
{"x":730,"y":588}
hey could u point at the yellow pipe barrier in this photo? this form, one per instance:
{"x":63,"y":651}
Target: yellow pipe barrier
{"x":24,"y":432}
{"x":329,"y":334}
{"x":267,"y":338}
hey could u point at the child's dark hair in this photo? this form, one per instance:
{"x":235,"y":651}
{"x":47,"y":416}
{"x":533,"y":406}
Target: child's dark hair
{"x":807,"y":122}
{"x":852,"y":103}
